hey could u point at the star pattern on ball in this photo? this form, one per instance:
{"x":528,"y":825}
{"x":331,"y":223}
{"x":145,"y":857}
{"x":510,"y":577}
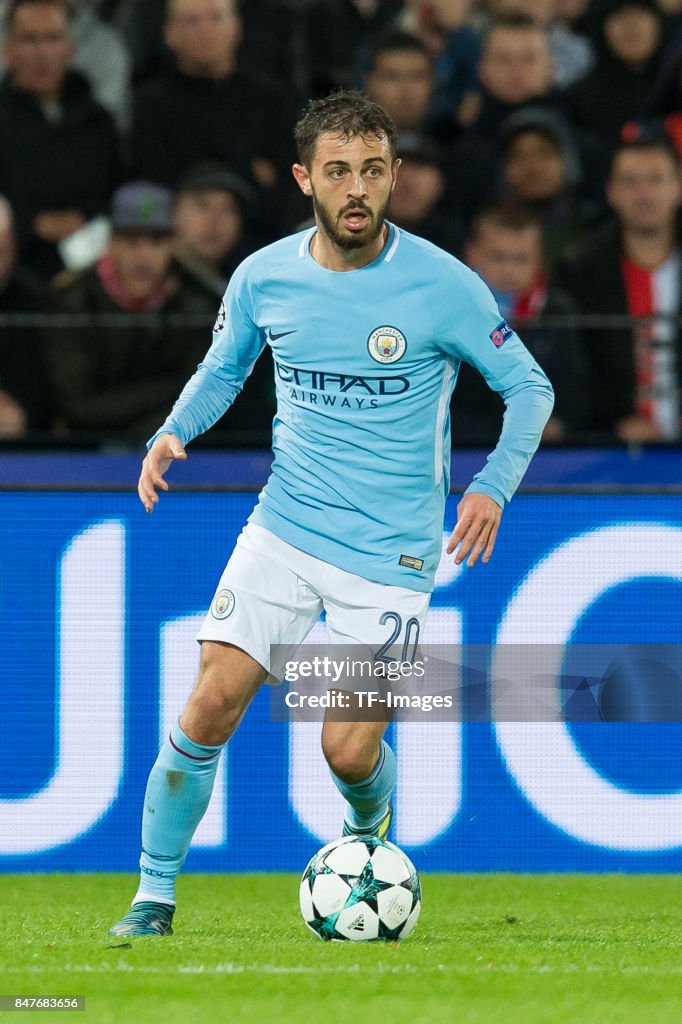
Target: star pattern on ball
{"x":360,"y":888}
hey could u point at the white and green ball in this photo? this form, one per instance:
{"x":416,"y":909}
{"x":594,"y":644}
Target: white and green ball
{"x":358,"y":889}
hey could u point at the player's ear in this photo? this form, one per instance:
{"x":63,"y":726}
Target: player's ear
{"x":302,"y":179}
{"x":394,"y":172}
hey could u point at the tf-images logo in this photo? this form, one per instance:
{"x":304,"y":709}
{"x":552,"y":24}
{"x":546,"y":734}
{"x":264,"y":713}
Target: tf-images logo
{"x":386,"y":344}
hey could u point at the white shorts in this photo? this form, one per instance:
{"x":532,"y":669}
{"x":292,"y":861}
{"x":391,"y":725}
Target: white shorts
{"x":272,"y":594}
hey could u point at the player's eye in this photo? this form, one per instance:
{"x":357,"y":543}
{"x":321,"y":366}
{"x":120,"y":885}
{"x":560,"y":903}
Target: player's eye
{"x":338,"y":172}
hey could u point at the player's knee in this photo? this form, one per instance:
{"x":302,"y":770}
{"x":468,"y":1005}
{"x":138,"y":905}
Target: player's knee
{"x":216,"y":705}
{"x":350,"y":757}
{"x":216,"y":696}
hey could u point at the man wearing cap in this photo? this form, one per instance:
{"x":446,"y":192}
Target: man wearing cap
{"x":114,"y":379}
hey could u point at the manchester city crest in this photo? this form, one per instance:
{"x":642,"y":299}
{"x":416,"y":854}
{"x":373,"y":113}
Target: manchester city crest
{"x":386,"y":344}
{"x":223,"y":604}
{"x":222,"y":319}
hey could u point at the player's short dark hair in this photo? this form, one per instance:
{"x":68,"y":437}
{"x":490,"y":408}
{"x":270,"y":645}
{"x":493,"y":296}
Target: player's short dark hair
{"x":345,"y":113}
{"x":16,"y":5}
{"x":396,"y":41}
{"x":658,"y":143}
{"x":507,"y":217}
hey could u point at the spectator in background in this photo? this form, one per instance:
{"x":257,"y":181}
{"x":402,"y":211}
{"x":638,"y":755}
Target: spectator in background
{"x":574,"y":13}
{"x":210,"y":224}
{"x":634,"y":266}
{"x":23,"y":397}
{"x":515,"y":70}
{"x":204,"y":108}
{"x":629,"y":43}
{"x":663,"y":112}
{"x":100,"y":55}
{"x":117,"y":380}
{"x":142,"y":27}
{"x":505,"y":248}
{"x":267,"y":37}
{"x":59,"y":158}
{"x":572,"y":54}
{"x":336,"y":32}
{"x":20,"y":290}
{"x":212,"y":238}
{"x":417,"y":199}
{"x":269,"y":43}
{"x":401,"y":80}
{"x":455,"y":48}
{"x":541,"y":171}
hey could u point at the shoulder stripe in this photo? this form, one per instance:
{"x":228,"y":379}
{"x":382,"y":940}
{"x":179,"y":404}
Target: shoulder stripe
{"x":303,"y":247}
{"x":394,"y":244}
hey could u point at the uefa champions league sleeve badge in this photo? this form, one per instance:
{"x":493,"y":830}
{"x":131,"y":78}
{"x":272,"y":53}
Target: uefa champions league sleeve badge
{"x":221,"y":319}
{"x":500,"y":334}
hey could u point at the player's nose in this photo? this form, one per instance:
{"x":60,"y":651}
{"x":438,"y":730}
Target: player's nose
{"x":357,"y":188}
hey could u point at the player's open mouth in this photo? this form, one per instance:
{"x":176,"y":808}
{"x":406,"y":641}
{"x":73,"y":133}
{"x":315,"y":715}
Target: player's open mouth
{"x":356,"y":220}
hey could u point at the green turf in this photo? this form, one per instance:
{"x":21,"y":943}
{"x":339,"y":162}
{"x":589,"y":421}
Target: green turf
{"x":489,"y":949}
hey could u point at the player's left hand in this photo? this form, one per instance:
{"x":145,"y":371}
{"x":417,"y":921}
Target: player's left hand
{"x":478,"y":520}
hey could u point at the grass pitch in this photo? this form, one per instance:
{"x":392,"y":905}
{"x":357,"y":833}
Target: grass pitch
{"x":488,"y":949}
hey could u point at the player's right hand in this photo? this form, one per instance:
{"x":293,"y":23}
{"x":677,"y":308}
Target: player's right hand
{"x":165,"y":449}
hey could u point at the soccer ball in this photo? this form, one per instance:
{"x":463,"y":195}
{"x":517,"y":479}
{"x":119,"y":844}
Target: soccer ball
{"x":360,"y":888}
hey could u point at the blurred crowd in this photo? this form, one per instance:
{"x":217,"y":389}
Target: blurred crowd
{"x":145,"y":150}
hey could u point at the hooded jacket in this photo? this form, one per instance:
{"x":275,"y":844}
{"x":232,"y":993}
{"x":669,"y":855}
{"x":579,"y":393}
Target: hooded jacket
{"x":614,"y":92}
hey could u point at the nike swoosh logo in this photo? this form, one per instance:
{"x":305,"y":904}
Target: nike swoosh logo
{"x":276,"y":337}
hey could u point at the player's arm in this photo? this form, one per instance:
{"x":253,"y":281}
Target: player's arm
{"x":237,"y":343}
{"x":483,"y":339}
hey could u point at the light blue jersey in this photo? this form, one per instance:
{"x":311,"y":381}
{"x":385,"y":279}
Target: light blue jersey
{"x":365,"y":363}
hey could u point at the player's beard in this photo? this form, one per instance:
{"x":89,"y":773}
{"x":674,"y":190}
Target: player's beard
{"x":341,"y":237}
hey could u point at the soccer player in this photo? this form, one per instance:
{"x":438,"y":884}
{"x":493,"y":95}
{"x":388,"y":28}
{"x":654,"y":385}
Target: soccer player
{"x":367,"y":326}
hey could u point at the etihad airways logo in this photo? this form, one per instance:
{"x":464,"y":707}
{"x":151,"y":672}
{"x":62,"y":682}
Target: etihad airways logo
{"x":322,"y":387}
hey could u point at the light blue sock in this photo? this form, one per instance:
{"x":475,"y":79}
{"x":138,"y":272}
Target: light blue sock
{"x":178,"y":791}
{"x":368,"y":800}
